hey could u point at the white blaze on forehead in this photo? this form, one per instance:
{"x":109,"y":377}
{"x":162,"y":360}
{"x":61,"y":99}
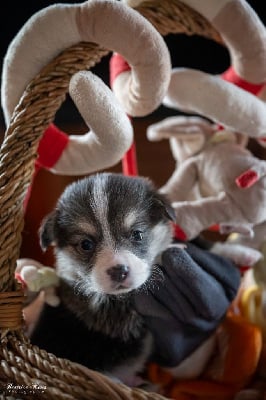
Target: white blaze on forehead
{"x":100,"y":205}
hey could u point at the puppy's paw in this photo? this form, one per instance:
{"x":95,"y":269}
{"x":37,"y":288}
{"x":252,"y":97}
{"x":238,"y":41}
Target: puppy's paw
{"x":239,"y":254}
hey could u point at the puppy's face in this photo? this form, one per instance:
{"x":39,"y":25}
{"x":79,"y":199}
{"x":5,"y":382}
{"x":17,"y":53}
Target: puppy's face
{"x":107,"y":231}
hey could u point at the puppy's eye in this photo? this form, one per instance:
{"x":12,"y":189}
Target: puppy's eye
{"x":87,"y":245}
{"x":137,"y":236}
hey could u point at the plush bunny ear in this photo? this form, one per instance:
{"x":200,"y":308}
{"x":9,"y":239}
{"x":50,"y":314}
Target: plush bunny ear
{"x":180,"y":127}
{"x":187,"y":135}
{"x":110,"y":24}
{"x":220,"y":101}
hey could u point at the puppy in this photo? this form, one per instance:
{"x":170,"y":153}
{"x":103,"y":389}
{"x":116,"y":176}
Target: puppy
{"x":108,"y":231}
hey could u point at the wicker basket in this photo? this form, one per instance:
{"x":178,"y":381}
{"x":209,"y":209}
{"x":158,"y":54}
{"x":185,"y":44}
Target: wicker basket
{"x":27,"y":371}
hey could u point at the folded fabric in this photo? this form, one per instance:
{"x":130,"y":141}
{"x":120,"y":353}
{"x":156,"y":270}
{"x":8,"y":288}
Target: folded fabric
{"x":231,"y":369}
{"x":185,"y":307}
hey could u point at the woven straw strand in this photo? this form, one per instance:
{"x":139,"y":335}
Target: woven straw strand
{"x":65,"y":378}
{"x":11,"y":306}
{"x":173,"y":16}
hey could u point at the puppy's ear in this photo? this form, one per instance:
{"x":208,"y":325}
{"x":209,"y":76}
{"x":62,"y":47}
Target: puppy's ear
{"x":46,"y":231}
{"x":163,"y":206}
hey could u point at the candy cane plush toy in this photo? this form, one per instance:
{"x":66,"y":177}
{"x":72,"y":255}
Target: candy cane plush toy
{"x":235,"y":107}
{"x":229,"y":100}
{"x":111,"y":25}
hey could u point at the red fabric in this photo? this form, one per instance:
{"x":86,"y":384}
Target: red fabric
{"x":21,"y":280}
{"x":179,"y":234}
{"x":214,"y":228}
{"x":230,"y":75}
{"x":247,"y":179}
{"x":129,"y":162}
{"x":244,"y":268}
{"x":117,"y":65}
{"x":51,"y":147}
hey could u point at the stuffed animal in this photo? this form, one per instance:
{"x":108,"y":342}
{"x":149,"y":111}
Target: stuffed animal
{"x":187,"y":137}
{"x":35,"y":278}
{"x":256,"y":242}
{"x":232,"y":186}
{"x":40,"y":286}
{"x":112,"y":26}
{"x":229,"y":180}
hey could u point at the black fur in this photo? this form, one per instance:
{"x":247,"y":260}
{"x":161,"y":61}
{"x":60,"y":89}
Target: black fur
{"x":65,"y":334}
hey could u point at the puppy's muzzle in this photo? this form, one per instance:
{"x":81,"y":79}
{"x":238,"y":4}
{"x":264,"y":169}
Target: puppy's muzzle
{"x":118,"y":273}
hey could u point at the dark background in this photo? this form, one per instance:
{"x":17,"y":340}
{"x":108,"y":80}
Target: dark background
{"x":154,"y":159}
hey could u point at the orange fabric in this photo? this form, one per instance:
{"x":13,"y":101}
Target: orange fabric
{"x":244,"y":348}
{"x":239,"y":345}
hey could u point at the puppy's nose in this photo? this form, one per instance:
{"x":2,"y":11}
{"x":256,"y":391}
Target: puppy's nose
{"x":118,"y":273}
